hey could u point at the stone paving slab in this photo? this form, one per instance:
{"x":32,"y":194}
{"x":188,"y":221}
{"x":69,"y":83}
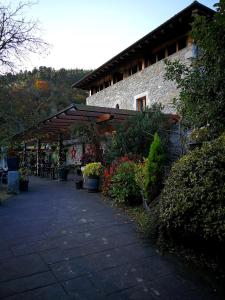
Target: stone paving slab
{"x":57,"y":242}
{"x":12,"y":268}
{"x":100,"y":261}
{"x":87,"y":248}
{"x":6,"y":253}
{"x":82,"y":288}
{"x":26,"y":283}
{"x":52,"y":292}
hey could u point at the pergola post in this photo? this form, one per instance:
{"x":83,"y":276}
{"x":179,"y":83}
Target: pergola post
{"x":25,"y":155}
{"x":38,"y":163}
{"x":60,"y":146}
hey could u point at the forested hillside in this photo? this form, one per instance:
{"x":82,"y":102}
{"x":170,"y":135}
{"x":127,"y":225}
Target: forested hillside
{"x":30,"y":96}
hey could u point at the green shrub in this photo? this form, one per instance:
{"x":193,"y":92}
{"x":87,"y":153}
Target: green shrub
{"x":123,"y":188}
{"x":154,"y":171}
{"x":193,"y":199}
{"x":140,"y":175}
{"x":136,"y":134}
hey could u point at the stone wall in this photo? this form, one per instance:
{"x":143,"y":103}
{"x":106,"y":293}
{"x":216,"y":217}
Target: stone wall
{"x":149,"y":82}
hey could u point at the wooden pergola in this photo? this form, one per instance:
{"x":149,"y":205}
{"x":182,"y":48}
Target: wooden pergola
{"x":59,"y":124}
{"x":57,"y":128}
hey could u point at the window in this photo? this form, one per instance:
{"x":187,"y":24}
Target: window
{"x":153,"y":59}
{"x":146,"y":62}
{"x":134,"y":69}
{"x":141,"y":103}
{"x":182,"y":43}
{"x":92,"y":91}
{"x":161,"y":54}
{"x":117,"y":77}
{"x":139,"y":66}
{"x":171,"y":49}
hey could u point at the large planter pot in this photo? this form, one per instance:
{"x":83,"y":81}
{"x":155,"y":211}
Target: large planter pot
{"x":24,"y":185}
{"x":92,"y":184}
{"x":63,"y":173}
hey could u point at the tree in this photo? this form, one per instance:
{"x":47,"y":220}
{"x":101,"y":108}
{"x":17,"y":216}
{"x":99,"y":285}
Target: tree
{"x":154,"y":165}
{"x":135,"y":136}
{"x":18,"y":36}
{"x":202,"y":91}
{"x":19,"y":108}
{"x":30,"y":96}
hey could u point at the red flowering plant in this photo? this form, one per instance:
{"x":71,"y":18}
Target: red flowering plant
{"x":109,"y":171}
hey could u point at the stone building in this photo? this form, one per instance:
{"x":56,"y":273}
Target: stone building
{"x":134,"y":78}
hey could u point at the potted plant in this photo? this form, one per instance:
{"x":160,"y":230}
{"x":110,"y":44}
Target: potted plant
{"x":92,"y":171}
{"x":24,"y":180}
{"x":63,"y":173}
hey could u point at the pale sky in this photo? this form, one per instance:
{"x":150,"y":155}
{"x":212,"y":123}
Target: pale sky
{"x":85,"y":34}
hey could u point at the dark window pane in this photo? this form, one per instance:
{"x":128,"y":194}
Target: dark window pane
{"x":171,"y":49}
{"x":182,"y":43}
{"x":161,"y":54}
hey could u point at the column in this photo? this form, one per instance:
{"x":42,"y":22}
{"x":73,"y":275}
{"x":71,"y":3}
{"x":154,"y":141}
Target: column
{"x":60,"y":146}
{"x":25,"y":155}
{"x":38,"y":162}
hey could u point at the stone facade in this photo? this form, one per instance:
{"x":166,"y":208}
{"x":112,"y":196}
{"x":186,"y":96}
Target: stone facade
{"x":149,"y":82}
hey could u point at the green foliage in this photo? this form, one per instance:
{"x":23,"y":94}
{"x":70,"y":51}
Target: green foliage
{"x":193,"y":200}
{"x":93,"y":169}
{"x":154,"y":167}
{"x":141,"y":217}
{"x":202,"y":90}
{"x":23,"y":104}
{"x":140,"y":176}
{"x":123,"y":188}
{"x":200,"y":135}
{"x":151,"y":226}
{"x":23,"y":172}
{"x":135,"y":135}
{"x":109,"y":172}
{"x":88,"y":133}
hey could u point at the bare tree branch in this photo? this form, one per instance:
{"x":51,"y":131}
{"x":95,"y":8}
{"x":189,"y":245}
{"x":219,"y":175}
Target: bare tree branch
{"x":19,"y":37}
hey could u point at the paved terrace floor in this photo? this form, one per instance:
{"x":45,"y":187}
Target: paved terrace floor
{"x":57,"y":242}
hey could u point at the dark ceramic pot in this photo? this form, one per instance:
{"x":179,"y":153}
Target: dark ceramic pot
{"x":92,"y":184}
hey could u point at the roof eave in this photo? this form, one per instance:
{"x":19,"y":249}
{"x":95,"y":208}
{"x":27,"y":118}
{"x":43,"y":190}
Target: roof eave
{"x":195,"y":5}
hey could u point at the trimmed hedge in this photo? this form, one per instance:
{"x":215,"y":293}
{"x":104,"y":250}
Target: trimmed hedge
{"x":192,"y":203}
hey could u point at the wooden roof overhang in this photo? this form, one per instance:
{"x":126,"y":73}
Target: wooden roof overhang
{"x":49,"y":129}
{"x":177,"y":26}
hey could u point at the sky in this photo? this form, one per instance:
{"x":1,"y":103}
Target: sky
{"x":87,"y":33}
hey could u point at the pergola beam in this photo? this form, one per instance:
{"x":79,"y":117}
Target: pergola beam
{"x":60,"y":122}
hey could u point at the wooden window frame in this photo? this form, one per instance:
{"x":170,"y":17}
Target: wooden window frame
{"x":141,"y":103}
